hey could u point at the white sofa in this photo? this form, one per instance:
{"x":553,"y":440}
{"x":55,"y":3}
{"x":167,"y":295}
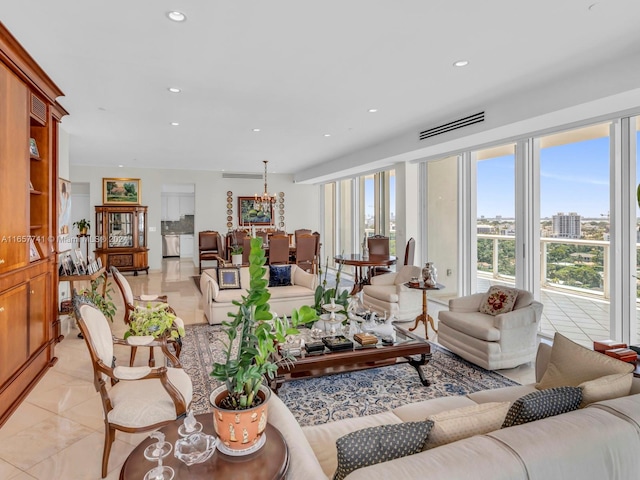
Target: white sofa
{"x":217,"y":303}
{"x":597,"y":442}
{"x":388,"y":293}
{"x":492,"y":342}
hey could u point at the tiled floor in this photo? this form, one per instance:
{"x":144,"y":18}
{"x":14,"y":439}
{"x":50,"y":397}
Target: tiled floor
{"x":58,"y":431}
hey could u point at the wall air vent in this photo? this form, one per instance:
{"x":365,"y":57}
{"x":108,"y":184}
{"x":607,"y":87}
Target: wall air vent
{"x":246,"y":176}
{"x":456,"y":124}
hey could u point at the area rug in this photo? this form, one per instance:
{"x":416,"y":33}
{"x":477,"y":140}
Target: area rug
{"x":320,"y":400}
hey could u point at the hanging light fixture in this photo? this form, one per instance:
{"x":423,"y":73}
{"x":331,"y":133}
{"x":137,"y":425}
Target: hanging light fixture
{"x":264,"y":201}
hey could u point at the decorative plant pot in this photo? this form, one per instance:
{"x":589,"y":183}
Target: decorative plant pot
{"x":83,"y":231}
{"x":241,"y":432}
{"x":236,"y":259}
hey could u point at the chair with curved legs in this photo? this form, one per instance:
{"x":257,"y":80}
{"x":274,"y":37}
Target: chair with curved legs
{"x":410,"y":251}
{"x":378,"y":245}
{"x":134,"y":399}
{"x":130,"y":300}
{"x":279,"y":249}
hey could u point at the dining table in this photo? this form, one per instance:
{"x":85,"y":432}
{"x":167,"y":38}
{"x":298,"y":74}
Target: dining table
{"x":363,"y":265}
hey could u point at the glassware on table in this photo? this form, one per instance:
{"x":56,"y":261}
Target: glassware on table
{"x":157,"y":451}
{"x":189,"y":426}
{"x":196,"y":448}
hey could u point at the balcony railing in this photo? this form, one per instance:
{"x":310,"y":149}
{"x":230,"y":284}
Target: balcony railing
{"x":582,"y":267}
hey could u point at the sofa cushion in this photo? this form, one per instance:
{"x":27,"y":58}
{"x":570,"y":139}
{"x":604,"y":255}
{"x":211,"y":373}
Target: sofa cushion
{"x":416,"y":411}
{"x":379,"y":444}
{"x":279,"y":275}
{"x":229,"y":278}
{"x":606,"y":388}
{"x":498,"y":300}
{"x":387,"y":293}
{"x":542,"y":404}
{"x":502,"y":394}
{"x":571,"y":364}
{"x":475,"y":324}
{"x":464,"y":422}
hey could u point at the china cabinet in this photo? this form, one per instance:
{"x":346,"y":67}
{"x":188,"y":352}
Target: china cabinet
{"x":121,"y":241}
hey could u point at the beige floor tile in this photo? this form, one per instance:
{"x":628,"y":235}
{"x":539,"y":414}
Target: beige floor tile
{"x":88,"y":413}
{"x":63,"y":397}
{"x":74,"y":463}
{"x":22,"y":476}
{"x":7,"y":470}
{"x":26,"y":416}
{"x":29,"y":447}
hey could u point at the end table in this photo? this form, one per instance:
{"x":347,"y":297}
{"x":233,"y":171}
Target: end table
{"x":424,"y":317}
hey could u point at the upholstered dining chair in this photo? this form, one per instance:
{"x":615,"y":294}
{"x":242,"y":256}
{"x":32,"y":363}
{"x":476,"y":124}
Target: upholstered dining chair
{"x":278,"y":249}
{"x":134,"y":399}
{"x":210,"y":246}
{"x":378,"y":245}
{"x":306,"y":252}
{"x":246,"y":250}
{"x":235,"y":237}
{"x":300,"y":231}
{"x":130,"y":300}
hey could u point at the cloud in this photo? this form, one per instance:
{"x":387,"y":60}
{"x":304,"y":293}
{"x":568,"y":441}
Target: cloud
{"x":575,"y":179}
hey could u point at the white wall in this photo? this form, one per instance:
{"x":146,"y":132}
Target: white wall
{"x":302,"y":202}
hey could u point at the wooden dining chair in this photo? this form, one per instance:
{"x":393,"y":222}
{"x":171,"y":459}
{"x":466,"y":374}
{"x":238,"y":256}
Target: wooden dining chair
{"x":246,"y":250}
{"x":279,"y":249}
{"x":235,"y":237}
{"x":306,"y":253}
{"x":210,"y":246}
{"x":378,"y":245}
{"x":410,"y":251}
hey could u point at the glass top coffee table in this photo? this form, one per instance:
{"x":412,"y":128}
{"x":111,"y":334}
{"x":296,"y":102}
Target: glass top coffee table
{"x":407,"y":348}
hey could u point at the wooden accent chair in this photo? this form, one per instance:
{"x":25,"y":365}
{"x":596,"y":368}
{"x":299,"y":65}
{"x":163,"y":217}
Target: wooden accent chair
{"x":137,"y":399}
{"x":130,"y":300}
{"x":279,"y":249}
{"x":246,"y":250}
{"x":306,"y":252}
{"x":410,"y":251}
{"x":378,"y":245}
{"x":210,"y":246}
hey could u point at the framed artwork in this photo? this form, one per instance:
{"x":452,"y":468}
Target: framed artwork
{"x":228,"y":278}
{"x":33,"y":148}
{"x":121,"y":191}
{"x":249,"y":213}
{"x":33,"y":251}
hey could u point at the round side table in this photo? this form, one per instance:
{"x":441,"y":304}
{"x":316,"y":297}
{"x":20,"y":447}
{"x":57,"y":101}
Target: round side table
{"x":424,"y":317}
{"x":271,"y":461}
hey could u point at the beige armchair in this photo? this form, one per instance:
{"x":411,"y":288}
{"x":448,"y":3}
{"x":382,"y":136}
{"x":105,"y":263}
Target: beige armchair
{"x":388,"y":293}
{"x":492,"y":342}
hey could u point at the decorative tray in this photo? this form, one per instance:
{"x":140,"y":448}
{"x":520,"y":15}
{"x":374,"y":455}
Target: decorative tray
{"x":339,"y":342}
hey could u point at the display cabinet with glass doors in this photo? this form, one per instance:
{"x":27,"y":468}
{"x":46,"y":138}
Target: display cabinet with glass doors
{"x":121,"y":237}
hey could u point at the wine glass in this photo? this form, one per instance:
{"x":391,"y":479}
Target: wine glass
{"x":157,"y":451}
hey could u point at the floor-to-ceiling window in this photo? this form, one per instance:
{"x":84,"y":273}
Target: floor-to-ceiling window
{"x":574,"y":231}
{"x":495,"y":215}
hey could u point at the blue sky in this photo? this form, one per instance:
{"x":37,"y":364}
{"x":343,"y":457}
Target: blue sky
{"x":574,"y":178}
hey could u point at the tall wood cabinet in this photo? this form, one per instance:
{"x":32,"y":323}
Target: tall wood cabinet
{"x":29,"y":327}
{"x":122,"y":237}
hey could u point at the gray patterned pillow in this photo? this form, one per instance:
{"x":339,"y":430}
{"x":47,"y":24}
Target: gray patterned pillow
{"x":379,"y":444}
{"x":543,"y":404}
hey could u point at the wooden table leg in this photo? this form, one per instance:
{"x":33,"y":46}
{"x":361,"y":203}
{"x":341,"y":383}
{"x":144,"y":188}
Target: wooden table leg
{"x":424,"y":317}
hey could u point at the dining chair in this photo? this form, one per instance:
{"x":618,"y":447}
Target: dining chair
{"x":235,"y":237}
{"x":130,"y":300}
{"x":279,"y":249}
{"x":300,"y":231}
{"x":134,"y":399}
{"x":306,"y":253}
{"x":410,"y":251}
{"x":378,"y":245}
{"x":210,"y":246}
{"x":246,"y":250}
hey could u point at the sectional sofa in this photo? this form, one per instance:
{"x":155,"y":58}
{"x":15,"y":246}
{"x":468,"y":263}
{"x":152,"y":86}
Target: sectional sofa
{"x":599,"y":441}
{"x":217,"y":302}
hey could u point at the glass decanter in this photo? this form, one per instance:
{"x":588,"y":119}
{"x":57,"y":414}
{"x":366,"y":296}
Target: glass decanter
{"x":156,"y":452}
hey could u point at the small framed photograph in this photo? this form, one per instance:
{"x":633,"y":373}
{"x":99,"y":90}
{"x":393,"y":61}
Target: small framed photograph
{"x":228,"y":278}
{"x":79,"y":267}
{"x":121,"y":191}
{"x":31,"y":186}
{"x":33,"y":148}
{"x":80,"y":258}
{"x":99,"y":263}
{"x":68,"y":264}
{"x":33,"y":251}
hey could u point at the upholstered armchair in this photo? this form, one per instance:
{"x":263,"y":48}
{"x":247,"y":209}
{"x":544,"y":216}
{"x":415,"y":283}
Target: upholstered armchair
{"x":388,"y":293}
{"x":503,"y":340}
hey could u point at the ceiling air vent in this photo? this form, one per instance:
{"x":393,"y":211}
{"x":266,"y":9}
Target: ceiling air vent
{"x":456,"y":124}
{"x":246,"y":176}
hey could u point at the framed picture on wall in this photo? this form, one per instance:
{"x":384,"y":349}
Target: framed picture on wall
{"x":121,"y":191}
{"x":251,"y":213}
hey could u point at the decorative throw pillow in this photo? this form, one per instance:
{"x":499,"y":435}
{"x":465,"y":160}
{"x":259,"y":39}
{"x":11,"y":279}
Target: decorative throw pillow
{"x":571,"y":364}
{"x":605,"y":388}
{"x":453,"y":425}
{"x":279,"y":275}
{"x":379,"y":444}
{"x":229,"y":278}
{"x":545,"y":403}
{"x":498,"y":300}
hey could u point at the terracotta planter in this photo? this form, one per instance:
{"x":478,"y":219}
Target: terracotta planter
{"x":240,"y":431}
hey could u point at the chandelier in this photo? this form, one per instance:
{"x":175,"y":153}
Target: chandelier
{"x":264,"y":201}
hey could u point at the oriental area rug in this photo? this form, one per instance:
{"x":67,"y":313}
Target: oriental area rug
{"x":320,"y":400}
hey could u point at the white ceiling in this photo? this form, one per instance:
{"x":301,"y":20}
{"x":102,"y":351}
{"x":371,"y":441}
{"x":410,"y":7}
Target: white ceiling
{"x":297,"y":70}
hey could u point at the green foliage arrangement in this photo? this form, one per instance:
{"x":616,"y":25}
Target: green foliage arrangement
{"x":324,"y":295}
{"x":82,"y":224}
{"x":236,"y":250}
{"x":104,"y":303}
{"x":253,"y":336}
{"x":154,"y":320}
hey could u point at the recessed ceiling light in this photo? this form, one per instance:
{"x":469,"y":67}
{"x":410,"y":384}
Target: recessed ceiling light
{"x":373,"y":110}
{"x":121,"y":166}
{"x":593,"y":6}
{"x":327,"y":134}
{"x":461,"y":63}
{"x":175,"y":124}
{"x":256,"y":129}
{"x":176,"y":16}
{"x":174,"y":90}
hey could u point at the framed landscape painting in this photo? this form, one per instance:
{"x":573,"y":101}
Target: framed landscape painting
{"x":121,"y":191}
{"x":249,"y":213}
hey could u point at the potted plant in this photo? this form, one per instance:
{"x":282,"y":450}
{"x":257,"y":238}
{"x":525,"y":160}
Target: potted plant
{"x":236,"y":254}
{"x":104,"y":303}
{"x":240,"y":404}
{"x":82,"y":225}
{"x":324,"y":295}
{"x":154,"y":320}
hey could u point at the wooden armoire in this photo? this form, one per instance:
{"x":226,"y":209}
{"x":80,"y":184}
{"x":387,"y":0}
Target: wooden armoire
{"x":29,"y":326}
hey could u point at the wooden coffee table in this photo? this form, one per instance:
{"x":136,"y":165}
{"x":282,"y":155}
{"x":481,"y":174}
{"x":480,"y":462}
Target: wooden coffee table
{"x":271,"y":461}
{"x":408,"y":348}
